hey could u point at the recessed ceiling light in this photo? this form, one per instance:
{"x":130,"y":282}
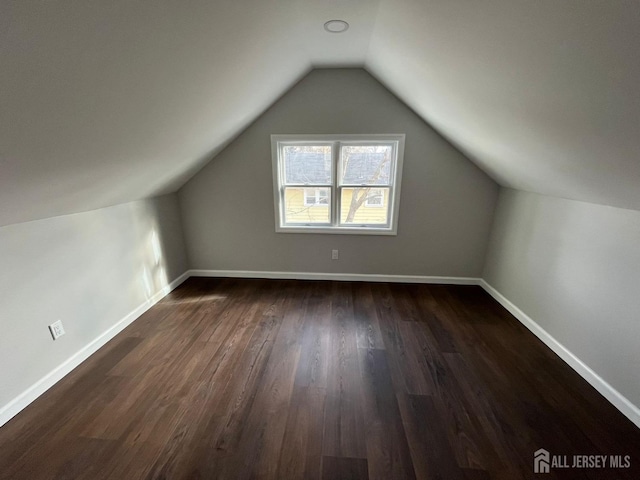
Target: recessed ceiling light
{"x":336,"y":26}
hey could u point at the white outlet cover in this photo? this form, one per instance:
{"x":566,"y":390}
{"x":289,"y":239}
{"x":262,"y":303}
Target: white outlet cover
{"x":56,"y":329}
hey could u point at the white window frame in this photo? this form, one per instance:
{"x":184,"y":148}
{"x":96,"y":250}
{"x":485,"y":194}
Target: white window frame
{"x":334,"y":226}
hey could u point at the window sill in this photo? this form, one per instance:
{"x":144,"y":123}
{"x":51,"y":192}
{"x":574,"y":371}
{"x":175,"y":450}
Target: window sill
{"x":338,"y":230}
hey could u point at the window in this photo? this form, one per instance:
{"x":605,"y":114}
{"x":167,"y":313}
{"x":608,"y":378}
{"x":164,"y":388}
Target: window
{"x":338,"y":183}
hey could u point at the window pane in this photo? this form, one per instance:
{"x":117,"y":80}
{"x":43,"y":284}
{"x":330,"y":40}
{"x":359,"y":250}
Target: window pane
{"x":300,"y":205}
{"x":353,"y":208}
{"x":307,"y":164}
{"x":366,"y":164}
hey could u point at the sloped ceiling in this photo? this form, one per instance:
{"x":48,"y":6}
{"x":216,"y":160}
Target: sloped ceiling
{"x":103,"y":102}
{"x":543,"y":94}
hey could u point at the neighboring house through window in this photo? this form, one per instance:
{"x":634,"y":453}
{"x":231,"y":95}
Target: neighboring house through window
{"x":316,"y":196}
{"x":328,"y":183}
{"x":375,"y":198}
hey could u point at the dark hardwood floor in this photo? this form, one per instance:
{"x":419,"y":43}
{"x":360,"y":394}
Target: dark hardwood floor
{"x":231,"y":378}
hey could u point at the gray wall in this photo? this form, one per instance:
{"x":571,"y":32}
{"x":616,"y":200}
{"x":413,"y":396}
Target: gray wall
{"x":574,"y":268}
{"x":86,"y":269}
{"x":446,"y":205}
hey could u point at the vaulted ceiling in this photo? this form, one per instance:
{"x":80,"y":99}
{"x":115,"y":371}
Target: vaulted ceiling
{"x":103,"y":102}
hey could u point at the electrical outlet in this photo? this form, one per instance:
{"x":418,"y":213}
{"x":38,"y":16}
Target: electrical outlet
{"x":56,"y":329}
{"x":334,"y":254}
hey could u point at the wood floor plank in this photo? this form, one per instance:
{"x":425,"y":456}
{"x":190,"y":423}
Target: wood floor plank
{"x":426,"y":430}
{"x":273,"y":379}
{"x":366,"y":317}
{"x":405,"y":373}
{"x":301,"y":452}
{"x":217,"y":435}
{"x":435,"y":316}
{"x":334,"y":468}
{"x":344,"y":430}
{"x":388,"y":451}
{"x":264,"y":428}
{"x":313,"y":364}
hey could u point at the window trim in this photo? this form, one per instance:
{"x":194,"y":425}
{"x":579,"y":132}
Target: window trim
{"x":335,"y":189}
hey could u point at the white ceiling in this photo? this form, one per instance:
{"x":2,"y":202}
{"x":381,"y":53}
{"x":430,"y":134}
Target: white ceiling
{"x":103,"y":102}
{"x":543,"y":94}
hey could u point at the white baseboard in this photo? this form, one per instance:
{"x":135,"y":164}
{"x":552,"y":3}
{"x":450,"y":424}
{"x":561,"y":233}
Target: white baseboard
{"x":618,"y":400}
{"x":341,"y":277}
{"x":11,"y":409}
